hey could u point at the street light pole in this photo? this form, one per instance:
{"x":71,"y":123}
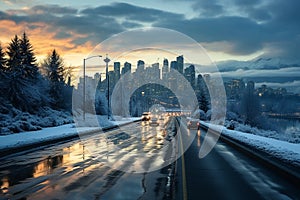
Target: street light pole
{"x":84,"y":82}
{"x":107,"y":60}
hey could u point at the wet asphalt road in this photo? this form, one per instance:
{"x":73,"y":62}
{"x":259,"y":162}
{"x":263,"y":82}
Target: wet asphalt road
{"x":126,"y":163}
{"x":225,"y":173}
{"x":130,"y":163}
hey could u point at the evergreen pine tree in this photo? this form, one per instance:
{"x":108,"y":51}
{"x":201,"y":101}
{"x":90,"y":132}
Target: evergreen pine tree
{"x":53,"y":68}
{"x":55,"y":73}
{"x":203,"y":101}
{"x":14,"y":56}
{"x":2,"y":60}
{"x":3,"y":74}
{"x":28,"y":59}
{"x":23,"y":78}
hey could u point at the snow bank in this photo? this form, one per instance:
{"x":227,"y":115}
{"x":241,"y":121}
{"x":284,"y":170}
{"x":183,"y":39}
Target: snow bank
{"x":283,"y":150}
{"x":16,"y":121}
{"x":47,"y":134}
{"x":291,"y":135}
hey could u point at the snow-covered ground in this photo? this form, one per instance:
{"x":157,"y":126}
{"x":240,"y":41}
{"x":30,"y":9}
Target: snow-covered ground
{"x":13,"y":120}
{"x":47,"y":134}
{"x":290,"y":134}
{"x":283,"y":150}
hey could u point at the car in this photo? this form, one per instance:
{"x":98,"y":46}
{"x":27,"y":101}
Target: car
{"x":146,"y":116}
{"x":154,"y":121}
{"x":193,"y":124}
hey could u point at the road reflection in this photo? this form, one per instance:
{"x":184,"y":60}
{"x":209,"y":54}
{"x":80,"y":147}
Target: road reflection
{"x":198,"y":138}
{"x":101,"y":158}
{"x":17,"y":173}
{"x":4,"y":185}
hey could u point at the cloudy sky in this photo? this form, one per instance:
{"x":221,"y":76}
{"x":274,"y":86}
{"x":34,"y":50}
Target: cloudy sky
{"x":227,"y":29}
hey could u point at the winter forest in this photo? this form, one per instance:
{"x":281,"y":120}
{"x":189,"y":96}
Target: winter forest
{"x":32,"y":95}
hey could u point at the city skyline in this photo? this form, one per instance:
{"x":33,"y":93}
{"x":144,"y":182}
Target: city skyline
{"x":188,"y":71}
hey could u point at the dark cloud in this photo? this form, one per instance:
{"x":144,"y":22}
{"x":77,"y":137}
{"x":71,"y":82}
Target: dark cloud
{"x":259,"y":14}
{"x":44,"y":9}
{"x":208,"y":8}
{"x":128,"y":24}
{"x":285,"y":13}
{"x":255,"y":9}
{"x":98,"y":29}
{"x":54,"y":9}
{"x":283,"y":29}
{"x":245,"y":35}
{"x":63,"y":20}
{"x":130,"y":12}
{"x":270,"y":26}
{"x":3,"y":15}
{"x":247,"y":3}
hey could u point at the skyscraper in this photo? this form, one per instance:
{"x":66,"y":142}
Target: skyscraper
{"x":174,"y":65}
{"x":112,"y":81}
{"x":165,"y":69}
{"x":189,"y":74}
{"x":117,"y":67}
{"x":140,"y":65}
{"x":126,"y":68}
{"x":155,"y":71}
{"x":97,"y":77}
{"x":250,"y":87}
{"x":180,"y":61}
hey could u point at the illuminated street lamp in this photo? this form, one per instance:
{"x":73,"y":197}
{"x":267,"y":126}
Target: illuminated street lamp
{"x":84,"y":82}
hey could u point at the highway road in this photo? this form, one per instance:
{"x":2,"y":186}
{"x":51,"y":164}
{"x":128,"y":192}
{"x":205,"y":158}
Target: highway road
{"x":124,"y":163}
{"x":136,"y":162}
{"x":226,"y":173}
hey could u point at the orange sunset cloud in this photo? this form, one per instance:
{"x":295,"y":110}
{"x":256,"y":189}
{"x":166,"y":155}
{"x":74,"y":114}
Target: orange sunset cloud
{"x":44,"y":40}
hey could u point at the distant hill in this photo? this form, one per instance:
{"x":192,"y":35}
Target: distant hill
{"x":258,"y":63}
{"x":274,"y":72}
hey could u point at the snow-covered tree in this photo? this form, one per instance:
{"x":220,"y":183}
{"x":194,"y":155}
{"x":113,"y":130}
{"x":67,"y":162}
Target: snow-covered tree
{"x":23,"y":94}
{"x":203,"y":100}
{"x":202,"y":94}
{"x":2,"y":60}
{"x":28,"y":60}
{"x":3,"y":75}
{"x":24,"y":83}
{"x":54,"y":70}
{"x":54,"y":67}
{"x":14,"y":55}
{"x":100,"y":103}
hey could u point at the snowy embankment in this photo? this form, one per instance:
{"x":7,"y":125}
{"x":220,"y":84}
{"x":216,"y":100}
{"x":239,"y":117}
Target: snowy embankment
{"x":59,"y":132}
{"x":14,"y":121}
{"x":283,"y":150}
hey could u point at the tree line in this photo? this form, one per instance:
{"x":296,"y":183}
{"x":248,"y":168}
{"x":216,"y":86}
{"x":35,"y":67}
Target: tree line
{"x":27,"y":85}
